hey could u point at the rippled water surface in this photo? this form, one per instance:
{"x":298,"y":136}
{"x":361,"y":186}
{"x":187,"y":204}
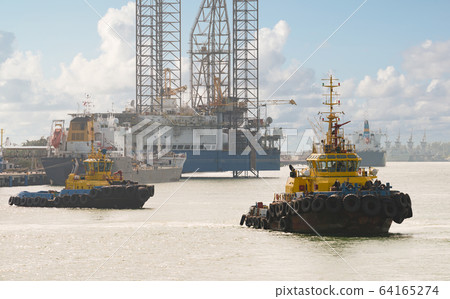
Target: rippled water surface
{"x":196,"y":235}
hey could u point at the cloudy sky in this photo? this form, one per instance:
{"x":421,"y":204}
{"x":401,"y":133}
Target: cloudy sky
{"x":392,"y":59}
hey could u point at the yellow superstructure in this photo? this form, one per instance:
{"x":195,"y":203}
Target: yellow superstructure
{"x":98,"y":173}
{"x":81,"y":129}
{"x":334,"y":161}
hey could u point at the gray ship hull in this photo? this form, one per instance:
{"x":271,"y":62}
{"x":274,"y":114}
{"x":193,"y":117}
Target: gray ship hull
{"x":372,"y":158}
{"x":147,"y":175}
{"x":58,"y":169}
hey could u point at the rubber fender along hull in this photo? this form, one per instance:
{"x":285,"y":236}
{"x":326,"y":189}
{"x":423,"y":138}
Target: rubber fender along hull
{"x":106,"y":197}
{"x":350,"y":215}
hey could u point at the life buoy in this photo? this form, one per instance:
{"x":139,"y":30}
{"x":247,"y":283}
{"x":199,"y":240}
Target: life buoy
{"x":11,"y":200}
{"x":370,"y":205}
{"x":333,"y":203}
{"x":351,"y":203}
{"x":29,"y":202}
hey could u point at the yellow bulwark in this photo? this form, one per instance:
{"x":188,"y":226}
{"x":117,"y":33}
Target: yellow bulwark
{"x":98,"y":173}
{"x":332,"y":163}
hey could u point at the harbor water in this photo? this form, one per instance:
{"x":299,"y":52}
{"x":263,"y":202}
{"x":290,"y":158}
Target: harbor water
{"x":190,"y":231}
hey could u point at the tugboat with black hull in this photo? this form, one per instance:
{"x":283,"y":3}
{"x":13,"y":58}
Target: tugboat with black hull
{"x":99,"y":188}
{"x":333,"y":195}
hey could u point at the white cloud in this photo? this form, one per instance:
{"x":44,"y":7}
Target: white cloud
{"x":388,"y":83}
{"x":22,"y":66}
{"x":113,"y":71}
{"x":271,"y":46}
{"x":415,"y":99}
{"x":30,"y":102}
{"x":432,"y":85}
{"x":281,"y":79}
{"x":430,"y":60}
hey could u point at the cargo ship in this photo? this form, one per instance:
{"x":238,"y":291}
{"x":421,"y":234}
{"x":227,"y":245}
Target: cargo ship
{"x":68,"y":148}
{"x":191,"y":142}
{"x":333,"y":195}
{"x":368,"y":147}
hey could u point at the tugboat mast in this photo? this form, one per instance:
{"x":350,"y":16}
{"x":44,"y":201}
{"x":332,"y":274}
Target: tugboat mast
{"x":335,"y":142}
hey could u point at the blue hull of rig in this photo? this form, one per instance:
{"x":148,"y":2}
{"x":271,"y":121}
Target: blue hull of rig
{"x":220,"y":161}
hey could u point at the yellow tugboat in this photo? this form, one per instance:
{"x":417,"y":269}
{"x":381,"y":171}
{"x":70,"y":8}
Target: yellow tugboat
{"x":333,"y":195}
{"x":98,"y":188}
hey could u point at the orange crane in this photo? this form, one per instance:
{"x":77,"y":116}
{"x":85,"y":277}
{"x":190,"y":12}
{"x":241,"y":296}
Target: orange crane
{"x":168,"y":91}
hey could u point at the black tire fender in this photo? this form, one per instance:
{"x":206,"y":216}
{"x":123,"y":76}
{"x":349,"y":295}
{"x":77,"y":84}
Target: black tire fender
{"x":351,"y":203}
{"x":43,"y":202}
{"x":284,"y":224}
{"x":143,"y":194}
{"x":370,"y":205}
{"x":306,"y":204}
{"x":95,"y":192}
{"x":242,"y":219}
{"x":333,"y":203}
{"x":318,"y":204}
{"x":256,"y":222}
{"x":389,"y":208}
